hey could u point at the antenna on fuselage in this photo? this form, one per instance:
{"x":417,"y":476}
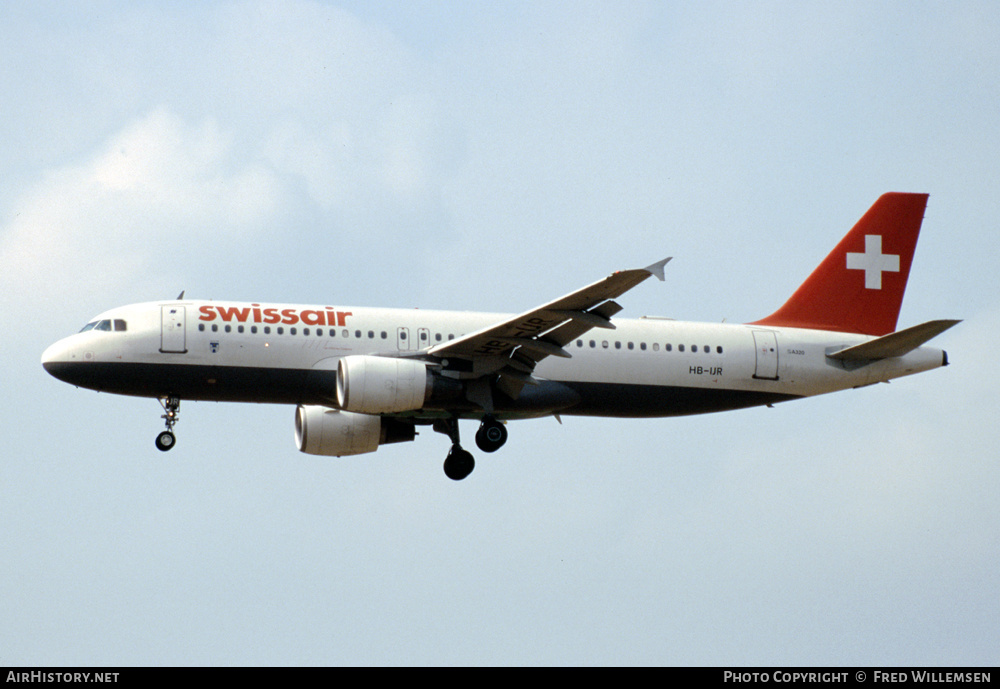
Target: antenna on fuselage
{"x":181,"y":295}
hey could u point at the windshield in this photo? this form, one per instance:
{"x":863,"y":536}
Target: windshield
{"x":106,"y":325}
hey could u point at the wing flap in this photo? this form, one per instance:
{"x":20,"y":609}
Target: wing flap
{"x":544,"y":330}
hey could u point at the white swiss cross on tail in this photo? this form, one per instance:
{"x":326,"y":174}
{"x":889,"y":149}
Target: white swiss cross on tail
{"x":832,"y":297}
{"x":873,"y":262}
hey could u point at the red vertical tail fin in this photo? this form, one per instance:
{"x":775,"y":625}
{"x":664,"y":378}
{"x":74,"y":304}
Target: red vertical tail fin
{"x":859,"y":287}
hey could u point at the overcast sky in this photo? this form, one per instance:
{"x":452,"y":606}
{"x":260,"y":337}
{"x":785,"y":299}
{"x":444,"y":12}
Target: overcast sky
{"x":492,"y":157}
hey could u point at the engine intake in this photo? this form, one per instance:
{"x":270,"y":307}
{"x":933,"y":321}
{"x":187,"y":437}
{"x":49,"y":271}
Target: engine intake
{"x":382,"y":385}
{"x":331,"y":432}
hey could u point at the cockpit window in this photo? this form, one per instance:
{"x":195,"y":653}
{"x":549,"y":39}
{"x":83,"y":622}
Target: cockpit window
{"x":118,"y":325}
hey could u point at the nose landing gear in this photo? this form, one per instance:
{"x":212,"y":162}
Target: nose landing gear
{"x":171,"y":407}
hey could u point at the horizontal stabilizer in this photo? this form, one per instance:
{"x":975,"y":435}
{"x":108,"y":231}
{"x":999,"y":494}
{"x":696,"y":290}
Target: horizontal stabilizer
{"x":895,"y":344}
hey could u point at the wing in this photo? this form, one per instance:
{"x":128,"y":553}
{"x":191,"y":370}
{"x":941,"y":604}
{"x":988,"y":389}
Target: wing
{"x":513,"y":347}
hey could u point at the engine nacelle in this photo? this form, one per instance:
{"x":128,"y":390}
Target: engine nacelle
{"x":382,"y":385}
{"x":331,"y":432}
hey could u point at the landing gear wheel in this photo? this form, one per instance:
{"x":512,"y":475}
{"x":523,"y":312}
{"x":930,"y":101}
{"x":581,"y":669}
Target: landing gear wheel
{"x":458,"y":464}
{"x":171,"y":412}
{"x":165,"y":441}
{"x":491,"y":435}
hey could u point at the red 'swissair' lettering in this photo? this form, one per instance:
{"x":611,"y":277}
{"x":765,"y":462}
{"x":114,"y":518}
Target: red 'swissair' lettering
{"x":256,"y":314}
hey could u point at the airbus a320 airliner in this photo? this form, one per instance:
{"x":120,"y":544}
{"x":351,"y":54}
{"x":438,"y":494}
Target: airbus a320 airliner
{"x":362,"y":377}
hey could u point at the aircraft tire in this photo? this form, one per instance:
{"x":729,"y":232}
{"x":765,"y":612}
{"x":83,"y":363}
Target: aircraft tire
{"x":458,"y":464}
{"x":491,"y":435}
{"x":165,"y":441}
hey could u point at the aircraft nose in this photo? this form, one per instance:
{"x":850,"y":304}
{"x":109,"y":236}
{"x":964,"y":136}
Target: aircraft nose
{"x":53,"y":353}
{"x":60,"y":359}
{"x":50,"y":354}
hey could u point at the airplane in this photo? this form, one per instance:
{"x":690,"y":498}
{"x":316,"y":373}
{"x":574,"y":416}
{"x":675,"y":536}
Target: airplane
{"x":362,"y":377}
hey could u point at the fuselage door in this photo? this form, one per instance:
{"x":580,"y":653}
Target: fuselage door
{"x":403,"y":339}
{"x":767,"y":355}
{"x":172,"y":329}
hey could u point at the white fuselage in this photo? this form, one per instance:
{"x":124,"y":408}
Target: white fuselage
{"x":289,"y":354}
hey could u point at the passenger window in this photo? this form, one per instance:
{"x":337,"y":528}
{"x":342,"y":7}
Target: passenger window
{"x":229,"y":328}
{"x":371,"y":334}
{"x":215,"y":327}
{"x":267,"y":330}
{"x":631,"y":346}
{"x":680,"y":348}
{"x":437,"y":336}
{"x":669,"y":348}
{"x":291,"y":331}
{"x":281,"y":331}
{"x":642,"y":346}
{"x":719,"y":349}
{"x":707,"y":349}
{"x":384,"y":335}
{"x":201,"y":327}
{"x":592,"y":344}
{"x":305,"y":331}
{"x":618,"y":345}
{"x":253,"y":329}
{"x":656,"y":346}
{"x":357,"y":334}
{"x":319,"y":332}
{"x":239,"y":328}
{"x":345,"y":332}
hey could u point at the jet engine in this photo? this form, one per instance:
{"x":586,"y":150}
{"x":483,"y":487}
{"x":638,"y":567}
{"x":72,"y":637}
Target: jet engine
{"x":331,"y":432}
{"x":387,"y":385}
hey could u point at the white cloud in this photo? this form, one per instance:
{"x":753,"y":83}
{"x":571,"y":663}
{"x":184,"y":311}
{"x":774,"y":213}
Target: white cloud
{"x":159,"y":187}
{"x":294,"y":117}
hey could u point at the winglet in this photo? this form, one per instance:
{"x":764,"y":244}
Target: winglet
{"x":657,"y":268}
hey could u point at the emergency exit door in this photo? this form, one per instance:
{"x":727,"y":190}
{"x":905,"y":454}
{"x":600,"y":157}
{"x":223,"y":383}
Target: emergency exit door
{"x":403,"y":339}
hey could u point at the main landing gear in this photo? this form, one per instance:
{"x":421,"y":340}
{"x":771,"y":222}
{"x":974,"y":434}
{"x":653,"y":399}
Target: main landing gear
{"x":459,"y":463}
{"x":171,"y":407}
{"x":491,"y":435}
